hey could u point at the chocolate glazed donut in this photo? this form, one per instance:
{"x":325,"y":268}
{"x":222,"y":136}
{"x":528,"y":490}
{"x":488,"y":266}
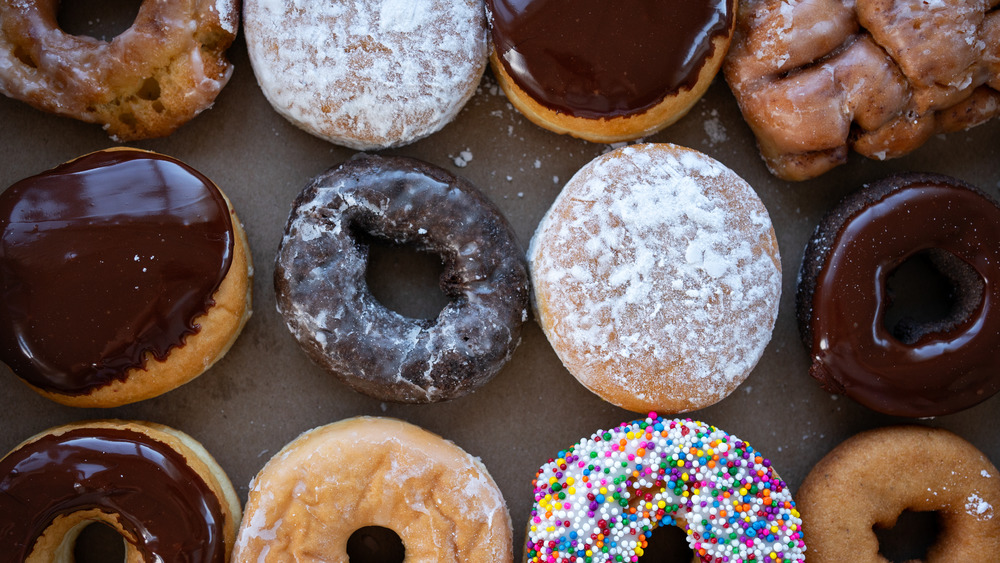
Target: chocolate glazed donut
{"x":922,"y":369}
{"x":321,"y":290}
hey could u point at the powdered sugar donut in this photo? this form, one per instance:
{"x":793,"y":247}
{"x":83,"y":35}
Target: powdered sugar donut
{"x":602,"y":497}
{"x":367,"y":75}
{"x":656,"y":278}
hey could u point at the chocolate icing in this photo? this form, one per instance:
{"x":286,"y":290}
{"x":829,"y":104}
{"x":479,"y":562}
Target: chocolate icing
{"x":944,"y":367}
{"x":595,"y":58}
{"x":165,"y":507}
{"x":320,"y":284}
{"x":104,"y":259}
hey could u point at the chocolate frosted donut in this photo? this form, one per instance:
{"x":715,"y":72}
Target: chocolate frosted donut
{"x":921,"y":368}
{"x":320,"y":280}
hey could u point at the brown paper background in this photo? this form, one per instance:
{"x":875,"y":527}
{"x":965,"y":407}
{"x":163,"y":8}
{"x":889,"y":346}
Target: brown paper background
{"x":265,"y":391}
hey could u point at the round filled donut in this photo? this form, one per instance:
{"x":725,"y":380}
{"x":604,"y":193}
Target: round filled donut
{"x":124,"y":274}
{"x":367,"y":75}
{"x":656,"y":278}
{"x":916,"y":368}
{"x":601,"y":498}
{"x":607,"y":72}
{"x":361,"y":486}
{"x":152,"y":78}
{"x":897,"y":469}
{"x":156,"y":486}
{"x":320,"y":280}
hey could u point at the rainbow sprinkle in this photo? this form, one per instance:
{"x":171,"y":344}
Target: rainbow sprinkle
{"x":600,"y":499}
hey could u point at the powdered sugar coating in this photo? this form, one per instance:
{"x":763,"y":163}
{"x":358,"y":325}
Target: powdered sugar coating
{"x":656,"y":278}
{"x":367,"y":74}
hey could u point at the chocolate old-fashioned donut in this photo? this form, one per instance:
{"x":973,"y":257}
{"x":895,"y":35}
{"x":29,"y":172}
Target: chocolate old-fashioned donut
{"x":921,"y":368}
{"x":321,"y":290}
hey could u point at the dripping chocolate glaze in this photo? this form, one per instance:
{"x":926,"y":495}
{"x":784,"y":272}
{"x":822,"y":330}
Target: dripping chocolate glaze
{"x":853,"y":351}
{"x":600,"y":58}
{"x":165,"y":506}
{"x":104,"y":259}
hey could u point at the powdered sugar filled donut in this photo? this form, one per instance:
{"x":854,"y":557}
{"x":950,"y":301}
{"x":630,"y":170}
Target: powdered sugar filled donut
{"x":656,"y":278}
{"x":371,"y":74}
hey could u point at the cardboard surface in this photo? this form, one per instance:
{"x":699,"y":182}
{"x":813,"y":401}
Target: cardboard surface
{"x":265,"y":391}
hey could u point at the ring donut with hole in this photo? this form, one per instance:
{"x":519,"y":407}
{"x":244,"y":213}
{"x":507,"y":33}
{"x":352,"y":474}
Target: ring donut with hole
{"x":320,"y":284}
{"x":156,"y":486}
{"x":901,"y":468}
{"x":146,"y":82}
{"x":922,"y":368}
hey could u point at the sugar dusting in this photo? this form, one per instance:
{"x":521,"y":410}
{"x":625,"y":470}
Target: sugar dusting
{"x":654,"y":268}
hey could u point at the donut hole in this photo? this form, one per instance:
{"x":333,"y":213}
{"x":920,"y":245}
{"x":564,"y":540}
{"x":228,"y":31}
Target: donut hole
{"x":403,"y":278}
{"x":375,"y":544}
{"x":100,"y":19}
{"x":667,"y":543}
{"x":910,"y":538}
{"x":932,"y":291}
{"x":99,"y":543}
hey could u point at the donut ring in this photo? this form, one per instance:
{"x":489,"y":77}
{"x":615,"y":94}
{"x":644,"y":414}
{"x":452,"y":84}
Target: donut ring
{"x":362,"y":472}
{"x":146,"y":82}
{"x":154,"y":485}
{"x":320,"y":272}
{"x":901,"y":468}
{"x":923,"y":370}
{"x":603,"y":496}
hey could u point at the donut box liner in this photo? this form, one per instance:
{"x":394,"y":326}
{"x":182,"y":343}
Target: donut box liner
{"x":266,"y":391}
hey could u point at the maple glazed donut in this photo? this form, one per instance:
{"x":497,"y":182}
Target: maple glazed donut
{"x":814,"y":78}
{"x":607,"y":72}
{"x":901,"y":468}
{"x":320,"y":280}
{"x":656,"y":278}
{"x":152,"y":78}
{"x":917,"y":369}
{"x":156,"y":486}
{"x":601,"y":498}
{"x":367,"y":75}
{"x":124,"y":274}
{"x":364,"y":473}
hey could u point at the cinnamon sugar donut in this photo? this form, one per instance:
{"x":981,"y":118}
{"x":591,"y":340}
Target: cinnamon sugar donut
{"x":656,"y":278}
{"x":608,"y":71}
{"x":345,"y":478}
{"x":816,"y":77}
{"x":367,"y":75}
{"x":871,"y":478}
{"x":146,"y":82}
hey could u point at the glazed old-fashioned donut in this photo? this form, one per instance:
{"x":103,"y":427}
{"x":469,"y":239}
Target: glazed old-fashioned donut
{"x":124,"y":274}
{"x":146,"y":82}
{"x":602,"y":497}
{"x":320,"y":280}
{"x":367,"y":75}
{"x":901,"y":468}
{"x":921,"y":368}
{"x":656,"y":278}
{"x":815,"y":77}
{"x":156,"y":486}
{"x":364,"y":474}
{"x":607,"y":72}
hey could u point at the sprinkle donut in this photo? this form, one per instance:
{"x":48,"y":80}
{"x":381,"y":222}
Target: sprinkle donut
{"x":320,"y":280}
{"x":601,"y":498}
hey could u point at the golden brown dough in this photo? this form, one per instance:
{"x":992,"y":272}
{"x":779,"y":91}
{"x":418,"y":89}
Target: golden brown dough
{"x":814,"y":78}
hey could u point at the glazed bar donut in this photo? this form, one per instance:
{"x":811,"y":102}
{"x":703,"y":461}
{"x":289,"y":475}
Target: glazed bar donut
{"x":920,"y":368}
{"x":896,"y":469}
{"x":343,"y":479}
{"x":607,"y":71}
{"x":156,"y":486}
{"x":320,"y":280}
{"x":125,"y":274}
{"x":146,"y":82}
{"x":601,"y":498}
{"x":816,"y":77}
